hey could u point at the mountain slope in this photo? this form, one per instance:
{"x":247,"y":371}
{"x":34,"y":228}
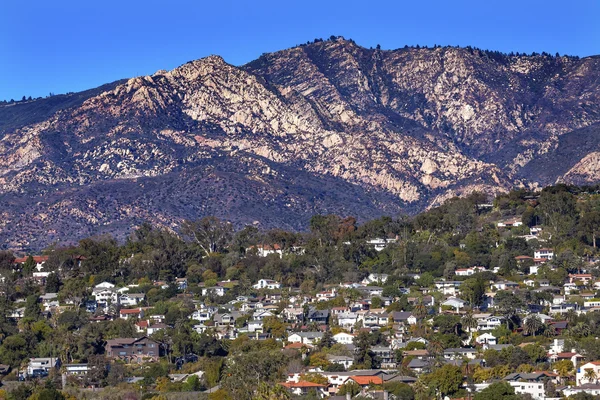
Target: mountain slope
{"x":326,"y":127}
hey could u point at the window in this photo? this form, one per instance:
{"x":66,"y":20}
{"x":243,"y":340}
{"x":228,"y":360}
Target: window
{"x":151,"y":345}
{"x":122,"y":353}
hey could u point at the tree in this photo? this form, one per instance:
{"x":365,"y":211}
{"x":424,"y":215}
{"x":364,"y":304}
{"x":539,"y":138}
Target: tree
{"x":469,"y":321}
{"x":210,"y":233}
{"x":446,"y":380}
{"x":52,"y":283}
{"x":271,"y":392}
{"x":244,"y":372}
{"x":400,"y":390}
{"x":533,"y":324}
{"x":564,"y":369}
{"x":363,"y":355}
{"x":326,"y":341}
{"x":590,"y":375}
{"x":497,"y":391}
{"x":591,"y":225}
{"x":508,"y":304}
{"x":473,"y":290}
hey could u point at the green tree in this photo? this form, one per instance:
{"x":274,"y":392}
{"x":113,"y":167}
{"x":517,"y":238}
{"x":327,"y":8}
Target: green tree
{"x":473,"y":290}
{"x":533,"y":325}
{"x":446,"y":380}
{"x":508,"y":304}
{"x":497,"y":391}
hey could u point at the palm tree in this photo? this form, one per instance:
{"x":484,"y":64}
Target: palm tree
{"x":590,"y":375}
{"x":549,"y":330}
{"x":533,"y":324}
{"x":468,"y":321}
{"x":571,"y":316}
{"x":435,"y":348}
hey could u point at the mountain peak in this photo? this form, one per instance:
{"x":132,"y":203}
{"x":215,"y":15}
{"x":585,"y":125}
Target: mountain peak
{"x":327,"y":127}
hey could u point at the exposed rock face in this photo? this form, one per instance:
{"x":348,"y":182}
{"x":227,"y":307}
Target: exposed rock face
{"x":327,"y":127}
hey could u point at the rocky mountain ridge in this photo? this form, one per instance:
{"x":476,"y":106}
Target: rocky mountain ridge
{"x":325,"y":127}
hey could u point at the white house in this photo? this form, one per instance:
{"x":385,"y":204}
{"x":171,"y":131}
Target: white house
{"x":343,"y":338}
{"x":455,"y":303}
{"x":469,"y":271}
{"x":264,"y":250}
{"x":37,"y":365}
{"x":580,"y":378}
{"x":547,"y":254}
{"x":375,"y":278}
{"x":345,"y":361}
{"x":486,"y":338}
{"x":215,"y":290}
{"x":510,"y":223}
{"x":489,"y":323}
{"x":305,"y":337}
{"x":379,"y":243}
{"x":267,"y":284}
{"x":347,"y":319}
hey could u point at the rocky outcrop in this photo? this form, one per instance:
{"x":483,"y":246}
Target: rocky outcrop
{"x":344,"y":128}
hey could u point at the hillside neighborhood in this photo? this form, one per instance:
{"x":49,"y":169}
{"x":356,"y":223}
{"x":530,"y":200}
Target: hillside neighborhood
{"x":462,"y":301}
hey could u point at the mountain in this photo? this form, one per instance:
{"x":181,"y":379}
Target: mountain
{"x":327,"y":127}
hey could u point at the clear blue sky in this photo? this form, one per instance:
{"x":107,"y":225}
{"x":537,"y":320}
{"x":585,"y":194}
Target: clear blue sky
{"x":60,"y":46}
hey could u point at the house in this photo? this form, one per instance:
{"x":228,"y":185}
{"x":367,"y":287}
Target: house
{"x":225,"y":319}
{"x":343,"y":338}
{"x":153,"y":328}
{"x":366,"y":381}
{"x":131,"y":350}
{"x":379,"y":243}
{"x":386,"y":355}
{"x":39,"y":367}
{"x":347,"y":319}
{"x":215,"y":291}
{"x":293,"y":314}
{"x":584,"y":279}
{"x":505,"y":285}
{"x":318,"y":316}
{"x":255,"y":326}
{"x":511,"y":223}
{"x":455,"y":303}
{"x":131,"y":299}
{"x":203,"y":315}
{"x":39,"y":261}
{"x":580,"y":376}
{"x":127,"y":313}
{"x":344,"y":361}
{"x":469,"y":271}
{"x":460,"y":353}
{"x":489,"y":323}
{"x":486,"y":338}
{"x":418,"y":365}
{"x":370,"y":291}
{"x":592,"y":389}
{"x":375,"y":278}
{"x":572,"y":356}
{"x":403,"y":317}
{"x":305,"y":337}
{"x":267,"y":284}
{"x":546,"y":254}
{"x":303,"y":388}
{"x":76,"y":369}
{"x":182,"y":283}
{"x":448,"y":288}
{"x":264,"y":250}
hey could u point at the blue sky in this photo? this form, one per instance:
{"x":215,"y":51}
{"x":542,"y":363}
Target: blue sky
{"x":59,"y":46}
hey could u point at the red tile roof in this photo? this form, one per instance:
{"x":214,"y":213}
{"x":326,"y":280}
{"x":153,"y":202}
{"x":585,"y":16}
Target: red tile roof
{"x":366,"y":380}
{"x":301,"y":384}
